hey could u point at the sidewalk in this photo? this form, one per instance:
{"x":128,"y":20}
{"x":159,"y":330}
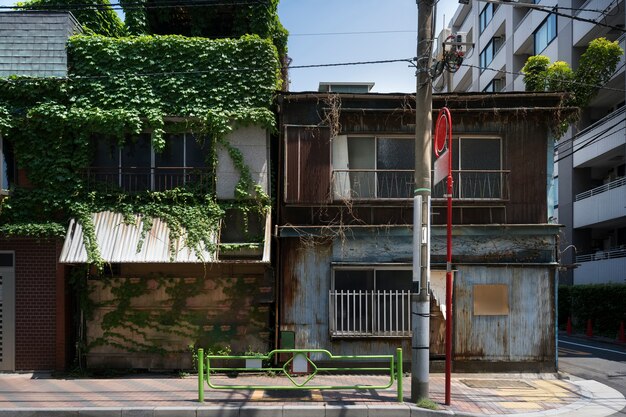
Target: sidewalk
{"x":166,"y":396}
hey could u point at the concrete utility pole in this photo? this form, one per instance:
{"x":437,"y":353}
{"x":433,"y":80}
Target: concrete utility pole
{"x":420,"y":302}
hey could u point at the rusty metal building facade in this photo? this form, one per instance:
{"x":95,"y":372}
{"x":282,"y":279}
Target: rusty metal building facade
{"x":344,"y":227}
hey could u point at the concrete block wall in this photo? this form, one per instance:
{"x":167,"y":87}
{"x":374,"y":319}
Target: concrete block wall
{"x":34,"y":43}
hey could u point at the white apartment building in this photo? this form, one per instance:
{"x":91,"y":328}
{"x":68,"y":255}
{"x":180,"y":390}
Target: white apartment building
{"x":589,"y":172}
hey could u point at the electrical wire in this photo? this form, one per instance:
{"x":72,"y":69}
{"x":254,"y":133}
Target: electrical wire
{"x":603,"y":87}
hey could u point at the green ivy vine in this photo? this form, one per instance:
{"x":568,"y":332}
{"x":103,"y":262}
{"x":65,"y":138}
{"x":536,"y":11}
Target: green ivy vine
{"x":118,"y":88}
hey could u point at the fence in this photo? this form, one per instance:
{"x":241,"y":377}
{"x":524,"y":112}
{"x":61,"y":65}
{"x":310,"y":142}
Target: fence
{"x":393,"y":367}
{"x":365,"y":184}
{"x":370,"y":313}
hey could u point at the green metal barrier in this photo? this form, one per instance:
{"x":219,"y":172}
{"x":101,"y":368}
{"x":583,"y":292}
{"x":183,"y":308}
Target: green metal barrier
{"x":394,"y":368}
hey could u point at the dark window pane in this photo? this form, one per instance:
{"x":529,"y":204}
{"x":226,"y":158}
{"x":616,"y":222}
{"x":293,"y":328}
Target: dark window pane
{"x":172,"y":154}
{"x":196,"y":152}
{"x":395,"y":153}
{"x":136,"y":164}
{"x":361,"y":162}
{"x":393,"y":279}
{"x":357,"y":279}
{"x":6,"y":259}
{"x":106,"y":152}
{"x":7,"y":164}
{"x":234,"y":227}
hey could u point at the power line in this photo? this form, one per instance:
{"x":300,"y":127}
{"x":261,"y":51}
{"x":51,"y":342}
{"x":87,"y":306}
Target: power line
{"x":556,"y":12}
{"x":603,"y":87}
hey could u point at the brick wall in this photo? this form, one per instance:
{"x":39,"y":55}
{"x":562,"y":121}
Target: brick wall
{"x":36,"y":308}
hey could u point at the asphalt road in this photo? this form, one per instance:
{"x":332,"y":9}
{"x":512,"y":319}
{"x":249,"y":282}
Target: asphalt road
{"x":591,"y":359}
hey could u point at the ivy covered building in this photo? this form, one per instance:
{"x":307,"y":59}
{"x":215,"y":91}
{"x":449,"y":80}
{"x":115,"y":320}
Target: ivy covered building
{"x":135,"y":215}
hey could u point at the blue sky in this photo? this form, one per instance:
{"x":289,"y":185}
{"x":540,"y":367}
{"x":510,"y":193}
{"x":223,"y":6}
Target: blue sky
{"x":398,"y":17}
{"x":387,"y":30}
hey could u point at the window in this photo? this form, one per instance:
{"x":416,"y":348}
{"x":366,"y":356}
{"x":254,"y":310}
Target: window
{"x":7,"y":166}
{"x":490,"y":51}
{"x":476,"y":170}
{"x":486,"y":15}
{"x":367,"y":167}
{"x":545,"y":33}
{"x":370,"y":301}
{"x":496,"y":85}
{"x":137,"y":167}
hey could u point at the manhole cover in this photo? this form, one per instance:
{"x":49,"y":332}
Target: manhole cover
{"x":496,"y":384}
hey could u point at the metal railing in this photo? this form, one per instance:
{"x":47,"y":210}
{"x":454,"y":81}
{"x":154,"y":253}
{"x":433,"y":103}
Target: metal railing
{"x":368,"y":184}
{"x":602,"y":255}
{"x":370,"y":313}
{"x":476,"y":185}
{"x":134,"y":180}
{"x":602,"y":189}
{"x":392,"y":365}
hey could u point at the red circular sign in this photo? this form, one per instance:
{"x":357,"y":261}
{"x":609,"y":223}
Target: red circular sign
{"x":443,"y":129}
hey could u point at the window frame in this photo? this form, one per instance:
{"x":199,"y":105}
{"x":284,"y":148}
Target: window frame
{"x":12,"y":169}
{"x":492,"y":84}
{"x":376,"y":191}
{"x":486,"y":16}
{"x":549,"y":35}
{"x":121,"y":168}
{"x":458,"y":172}
{"x":393,"y":312}
{"x":495,"y":44}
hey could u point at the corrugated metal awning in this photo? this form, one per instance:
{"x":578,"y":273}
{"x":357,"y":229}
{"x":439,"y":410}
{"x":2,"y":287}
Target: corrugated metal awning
{"x":118,"y":242}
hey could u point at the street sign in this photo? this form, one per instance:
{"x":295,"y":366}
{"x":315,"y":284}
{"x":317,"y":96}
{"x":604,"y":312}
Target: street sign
{"x":442,"y":167}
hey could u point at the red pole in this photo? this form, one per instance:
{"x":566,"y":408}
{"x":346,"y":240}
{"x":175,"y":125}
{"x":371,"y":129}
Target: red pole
{"x":589,"y":328}
{"x":621,"y":337}
{"x":568,"y":328}
{"x":449,"y":266}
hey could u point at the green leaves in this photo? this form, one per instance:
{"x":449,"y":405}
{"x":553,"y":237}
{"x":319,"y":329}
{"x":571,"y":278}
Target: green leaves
{"x":595,"y":68}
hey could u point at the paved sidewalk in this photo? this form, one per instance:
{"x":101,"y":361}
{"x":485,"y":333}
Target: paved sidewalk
{"x":163,"y":396}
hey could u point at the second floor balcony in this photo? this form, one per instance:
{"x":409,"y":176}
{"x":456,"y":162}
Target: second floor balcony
{"x":601,"y":204}
{"x":371,"y":184}
{"x":137,"y":179}
{"x":605,"y":137}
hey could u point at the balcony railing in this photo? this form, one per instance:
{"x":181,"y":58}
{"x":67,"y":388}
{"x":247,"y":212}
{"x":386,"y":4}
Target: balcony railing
{"x":370,"y":313}
{"x":602,"y":189}
{"x":135,"y":180}
{"x":367,"y":184}
{"x":602,"y":254}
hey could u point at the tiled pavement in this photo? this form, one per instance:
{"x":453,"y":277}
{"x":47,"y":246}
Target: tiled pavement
{"x":150,"y":395}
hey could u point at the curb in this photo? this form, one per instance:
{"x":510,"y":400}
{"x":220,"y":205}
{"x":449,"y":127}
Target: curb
{"x":322,"y":410}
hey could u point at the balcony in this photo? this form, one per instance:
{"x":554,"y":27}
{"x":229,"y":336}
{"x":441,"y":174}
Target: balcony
{"x":602,"y":138}
{"x":370,"y":184}
{"x":601,"y":267}
{"x":136,"y":180}
{"x":600,"y":204}
{"x":584,"y":32}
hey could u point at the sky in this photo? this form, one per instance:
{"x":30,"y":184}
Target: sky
{"x":386,"y":30}
{"x":323,"y":32}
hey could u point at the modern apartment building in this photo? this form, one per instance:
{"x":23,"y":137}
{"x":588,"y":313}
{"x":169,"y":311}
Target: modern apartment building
{"x":589,"y":190}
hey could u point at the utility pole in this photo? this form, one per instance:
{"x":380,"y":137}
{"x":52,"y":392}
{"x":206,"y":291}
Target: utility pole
{"x":420,"y":301}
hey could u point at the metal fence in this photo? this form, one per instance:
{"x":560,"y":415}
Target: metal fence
{"x":388,"y":364}
{"x":602,"y":255}
{"x":134,"y":180}
{"x":370,"y":313}
{"x":367,"y":184}
{"x":602,"y":189}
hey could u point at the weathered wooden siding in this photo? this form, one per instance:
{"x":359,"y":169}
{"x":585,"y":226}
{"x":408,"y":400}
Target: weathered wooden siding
{"x":525,"y":334}
{"x":307,"y":164}
{"x":524,"y":151}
